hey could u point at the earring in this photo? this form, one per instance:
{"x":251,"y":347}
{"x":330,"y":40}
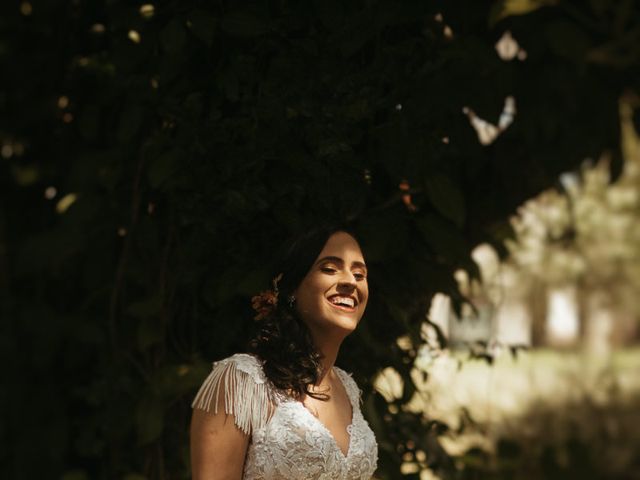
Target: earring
{"x":291,"y":300}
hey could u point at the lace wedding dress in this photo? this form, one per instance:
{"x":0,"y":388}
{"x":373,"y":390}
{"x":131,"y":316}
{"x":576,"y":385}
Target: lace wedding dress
{"x":287,"y":441}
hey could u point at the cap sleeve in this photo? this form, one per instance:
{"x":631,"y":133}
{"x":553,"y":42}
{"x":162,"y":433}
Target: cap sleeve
{"x":239,"y":383}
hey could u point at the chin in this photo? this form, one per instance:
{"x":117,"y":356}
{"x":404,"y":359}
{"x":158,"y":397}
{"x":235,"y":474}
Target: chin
{"x":346,"y":323}
{"x":333,"y":322}
{"x":345,"y":326}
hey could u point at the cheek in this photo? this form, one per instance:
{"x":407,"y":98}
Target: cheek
{"x":365,"y":295}
{"x":365,"y":290}
{"x":310,"y":294}
{"x":317,"y":285}
{"x":364,"y":304}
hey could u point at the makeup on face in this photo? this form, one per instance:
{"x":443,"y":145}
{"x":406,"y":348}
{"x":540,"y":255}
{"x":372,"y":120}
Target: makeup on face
{"x":334,"y":292}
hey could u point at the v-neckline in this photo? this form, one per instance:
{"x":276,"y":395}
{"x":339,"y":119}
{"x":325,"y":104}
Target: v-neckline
{"x":349,"y":428}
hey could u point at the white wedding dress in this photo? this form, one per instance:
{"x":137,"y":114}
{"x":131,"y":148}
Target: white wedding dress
{"x":287,"y":441}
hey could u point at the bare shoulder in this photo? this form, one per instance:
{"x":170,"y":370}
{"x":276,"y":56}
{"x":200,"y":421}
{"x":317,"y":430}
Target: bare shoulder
{"x":218,"y":446}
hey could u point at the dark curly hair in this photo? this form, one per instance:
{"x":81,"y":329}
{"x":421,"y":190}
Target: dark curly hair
{"x":283,"y":342}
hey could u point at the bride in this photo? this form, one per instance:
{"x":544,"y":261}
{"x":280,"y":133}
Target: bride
{"x":284,"y":410}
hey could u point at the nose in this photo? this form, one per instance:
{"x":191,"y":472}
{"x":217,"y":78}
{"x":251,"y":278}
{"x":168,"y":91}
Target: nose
{"x":347,"y":282}
{"x":346,"y":288}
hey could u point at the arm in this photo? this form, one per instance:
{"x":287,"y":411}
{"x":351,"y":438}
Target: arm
{"x":218,"y":446}
{"x":231,"y":403}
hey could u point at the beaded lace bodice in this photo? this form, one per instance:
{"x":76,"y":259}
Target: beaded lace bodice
{"x":287,"y":441}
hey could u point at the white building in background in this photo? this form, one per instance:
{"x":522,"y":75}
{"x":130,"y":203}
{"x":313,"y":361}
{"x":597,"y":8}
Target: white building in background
{"x":507,"y":313}
{"x":562,"y":322}
{"x":501,"y":311}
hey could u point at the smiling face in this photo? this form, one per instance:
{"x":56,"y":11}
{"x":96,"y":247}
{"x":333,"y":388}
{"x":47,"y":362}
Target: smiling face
{"x":333,"y":295}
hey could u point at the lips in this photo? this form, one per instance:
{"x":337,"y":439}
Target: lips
{"x":343,"y":302}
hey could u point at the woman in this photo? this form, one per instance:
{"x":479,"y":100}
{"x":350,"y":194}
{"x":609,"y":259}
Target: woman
{"x":285,"y":411}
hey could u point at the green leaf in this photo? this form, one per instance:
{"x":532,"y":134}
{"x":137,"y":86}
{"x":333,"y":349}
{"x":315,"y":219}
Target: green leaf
{"x":130,"y":121}
{"x":88,"y":122}
{"x":567,"y":40}
{"x":75,"y":475}
{"x":134,"y":476}
{"x":357,"y":37}
{"x":203,"y":26}
{"x":378,"y":246}
{"x":194,"y":105}
{"x":150,"y":329}
{"x":446,"y":197}
{"x":243,"y":24}
{"x":150,"y":332}
{"x":173,"y":37}
{"x":443,"y":238}
{"x":227,"y":82}
{"x":508,"y":8}
{"x":149,"y":420}
{"x":329,"y":12}
{"x":25,"y":175}
{"x":145,"y":308}
{"x":252,"y":282}
{"x":163,"y":167}
{"x":171,"y":67}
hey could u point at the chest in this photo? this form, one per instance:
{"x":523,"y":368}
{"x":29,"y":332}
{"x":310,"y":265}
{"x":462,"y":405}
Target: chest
{"x":335,"y":415}
{"x":295,"y":444}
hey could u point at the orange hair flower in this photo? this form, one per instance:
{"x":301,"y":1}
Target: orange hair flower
{"x":267,"y":301}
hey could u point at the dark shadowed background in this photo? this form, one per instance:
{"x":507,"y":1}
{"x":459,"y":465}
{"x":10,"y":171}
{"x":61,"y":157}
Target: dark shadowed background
{"x":154,"y":155}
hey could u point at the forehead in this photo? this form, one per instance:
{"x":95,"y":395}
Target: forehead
{"x":342,"y":245}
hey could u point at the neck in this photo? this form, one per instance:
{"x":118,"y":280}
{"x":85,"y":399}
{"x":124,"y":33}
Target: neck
{"x":328,"y":347}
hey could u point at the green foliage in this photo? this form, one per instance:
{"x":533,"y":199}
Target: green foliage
{"x":198,"y":136}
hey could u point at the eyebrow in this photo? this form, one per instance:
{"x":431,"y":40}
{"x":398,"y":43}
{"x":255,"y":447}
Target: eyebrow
{"x":339,"y":260}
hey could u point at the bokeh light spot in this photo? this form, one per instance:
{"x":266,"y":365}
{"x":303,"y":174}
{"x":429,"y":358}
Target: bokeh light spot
{"x":50,"y":193}
{"x":147,"y":10}
{"x":508,"y":48}
{"x":63,"y":101}
{"x":98,"y":28}
{"x":65,"y":202}
{"x":134,"y":36}
{"x":26,"y":9}
{"x":7,"y":150}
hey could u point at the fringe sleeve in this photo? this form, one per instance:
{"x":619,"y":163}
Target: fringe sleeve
{"x":239,"y":380}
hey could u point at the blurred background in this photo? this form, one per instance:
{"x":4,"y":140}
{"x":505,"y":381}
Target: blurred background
{"x":154,"y":154}
{"x":552,"y":331}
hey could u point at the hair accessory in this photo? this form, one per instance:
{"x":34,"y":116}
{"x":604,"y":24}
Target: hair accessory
{"x":266,"y":302}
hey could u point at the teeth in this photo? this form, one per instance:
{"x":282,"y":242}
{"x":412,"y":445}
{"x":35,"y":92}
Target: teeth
{"x":347,"y":301}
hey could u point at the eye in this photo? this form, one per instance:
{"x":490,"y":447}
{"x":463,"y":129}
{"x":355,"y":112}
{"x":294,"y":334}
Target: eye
{"x":328,"y":269}
{"x":359,"y":275}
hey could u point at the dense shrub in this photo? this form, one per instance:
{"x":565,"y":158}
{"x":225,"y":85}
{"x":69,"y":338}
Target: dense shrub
{"x":154,"y":155}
